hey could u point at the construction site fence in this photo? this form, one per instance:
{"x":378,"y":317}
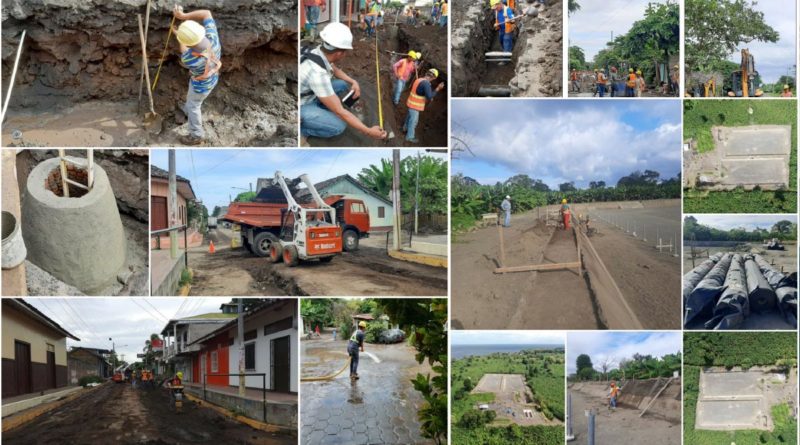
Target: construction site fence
{"x":654,"y":235}
{"x":258,"y":374}
{"x":183,"y":228}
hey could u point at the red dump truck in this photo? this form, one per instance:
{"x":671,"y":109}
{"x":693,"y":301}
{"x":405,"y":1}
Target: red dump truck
{"x":260,"y":222}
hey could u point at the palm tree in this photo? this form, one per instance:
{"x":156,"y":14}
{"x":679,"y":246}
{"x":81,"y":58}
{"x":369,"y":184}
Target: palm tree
{"x":573,"y":6}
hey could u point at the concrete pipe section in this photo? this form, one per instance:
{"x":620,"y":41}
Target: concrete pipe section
{"x":80,"y":239}
{"x":13,"y":246}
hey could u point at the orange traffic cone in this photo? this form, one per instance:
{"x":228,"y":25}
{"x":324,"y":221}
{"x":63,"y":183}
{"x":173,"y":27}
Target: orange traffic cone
{"x":211,"y":248}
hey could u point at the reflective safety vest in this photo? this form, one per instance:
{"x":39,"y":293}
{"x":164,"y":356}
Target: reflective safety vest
{"x":631,"y":80}
{"x":573,"y":76}
{"x":601,"y":78}
{"x":415,"y":101}
{"x":445,"y":9}
{"x":509,"y":25}
{"x":614,"y":391}
{"x":213,"y":64}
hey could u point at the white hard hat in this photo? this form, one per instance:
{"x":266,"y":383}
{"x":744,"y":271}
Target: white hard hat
{"x":190,"y":33}
{"x":508,"y":197}
{"x":337,"y":35}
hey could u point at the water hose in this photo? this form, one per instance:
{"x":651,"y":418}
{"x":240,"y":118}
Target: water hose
{"x":163,"y":54}
{"x":329,"y":376}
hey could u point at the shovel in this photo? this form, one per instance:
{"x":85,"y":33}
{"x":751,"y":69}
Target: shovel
{"x":151,"y":118}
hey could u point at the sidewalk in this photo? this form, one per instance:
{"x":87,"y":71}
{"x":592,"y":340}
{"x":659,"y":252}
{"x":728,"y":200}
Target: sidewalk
{"x":16,"y":404}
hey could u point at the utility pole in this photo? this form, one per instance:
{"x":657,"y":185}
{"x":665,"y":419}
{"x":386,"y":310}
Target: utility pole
{"x":173,"y":206}
{"x":240,"y":333}
{"x":416,"y":198}
{"x":396,"y":207}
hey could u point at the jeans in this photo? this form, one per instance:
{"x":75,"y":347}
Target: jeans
{"x":192,"y":109}
{"x":576,"y":86}
{"x":601,"y":90}
{"x":353,"y":361}
{"x":316,"y":120}
{"x":613,"y":402}
{"x":312,"y":16}
{"x":399,"y":86}
{"x":443,"y":21}
{"x":630,"y":91}
{"x":370,"y":21}
{"x":411,"y":124}
{"x":507,"y":41}
{"x":508,"y":219}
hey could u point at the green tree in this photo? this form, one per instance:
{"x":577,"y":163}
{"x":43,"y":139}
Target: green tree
{"x":245,"y":197}
{"x":577,"y":58}
{"x":715,"y":28}
{"x":432,"y":182}
{"x":573,"y":6}
{"x":317,"y":312}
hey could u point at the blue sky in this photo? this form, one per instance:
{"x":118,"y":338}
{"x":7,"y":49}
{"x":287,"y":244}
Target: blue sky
{"x":616,"y":346}
{"x":458,"y":337}
{"x":567,"y":140}
{"x":214,"y":173}
{"x":748,"y":222}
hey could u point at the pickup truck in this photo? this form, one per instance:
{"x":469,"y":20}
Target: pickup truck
{"x":260,"y":222}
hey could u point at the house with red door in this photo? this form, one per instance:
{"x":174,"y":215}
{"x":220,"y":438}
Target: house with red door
{"x":180,"y":335}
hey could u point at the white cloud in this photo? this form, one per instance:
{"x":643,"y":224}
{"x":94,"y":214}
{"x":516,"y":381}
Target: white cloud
{"x":458,"y":337}
{"x":617,"y":346}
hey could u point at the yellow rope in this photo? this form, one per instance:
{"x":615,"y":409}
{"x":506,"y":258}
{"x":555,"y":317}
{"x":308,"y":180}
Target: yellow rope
{"x":378,"y":73}
{"x":163,"y":54}
{"x":327,"y":377}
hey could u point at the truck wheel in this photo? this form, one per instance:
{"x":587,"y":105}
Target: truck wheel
{"x":326,"y":259}
{"x":290,"y":256}
{"x":276,"y":253}
{"x":350,"y":240}
{"x":262,"y":243}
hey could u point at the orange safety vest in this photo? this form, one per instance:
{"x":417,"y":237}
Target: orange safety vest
{"x":631,"y":80}
{"x":601,"y":78}
{"x":444,"y":9}
{"x":415,"y":101}
{"x":509,"y":26}
{"x":211,"y":59}
{"x":573,"y":76}
{"x":614,"y":391}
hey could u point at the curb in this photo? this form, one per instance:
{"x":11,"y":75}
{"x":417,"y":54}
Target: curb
{"x":266,"y":427}
{"x":17,"y":420}
{"x":428,"y":260}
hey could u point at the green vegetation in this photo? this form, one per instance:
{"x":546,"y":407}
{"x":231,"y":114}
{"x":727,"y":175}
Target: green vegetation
{"x":544,"y":375}
{"x":692,"y":230}
{"x":186,"y":278}
{"x":731,"y":349}
{"x":245,"y":197}
{"x":469,"y":199}
{"x":637,"y":367}
{"x":698,"y":118}
{"x":432,"y":182}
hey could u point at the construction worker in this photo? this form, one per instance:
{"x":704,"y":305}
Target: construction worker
{"x":573,"y":77}
{"x":403,"y":69}
{"x":313,"y":8}
{"x":321,"y":111}
{"x":371,"y":20}
{"x":613,"y":393}
{"x":640,"y":85}
{"x":435,"y":12}
{"x":601,"y":82}
{"x":675,"y":79}
{"x":177,"y":380}
{"x":565,"y":213}
{"x":444,"y":12}
{"x":630,"y":84}
{"x":421,"y":93}
{"x":504,"y":26}
{"x":355,"y":344}
{"x":200,"y":54}
{"x":614,"y":78}
{"x":505,"y":206}
{"x":787,"y":92}
{"x":410,"y":16}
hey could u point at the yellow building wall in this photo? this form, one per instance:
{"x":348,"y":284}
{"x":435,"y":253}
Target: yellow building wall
{"x":17,"y":326}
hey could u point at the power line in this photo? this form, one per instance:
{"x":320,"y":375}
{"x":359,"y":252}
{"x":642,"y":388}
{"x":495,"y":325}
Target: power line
{"x":194,"y":172}
{"x":179,"y":308}
{"x":338,"y":153}
{"x":155,"y":309}
{"x":222,"y":162}
{"x":73,"y":322}
{"x":78,"y":314}
{"x":146,"y":310}
{"x":52,"y":312}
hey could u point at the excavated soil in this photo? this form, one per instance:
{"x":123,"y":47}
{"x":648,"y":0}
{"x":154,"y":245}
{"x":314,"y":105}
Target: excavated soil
{"x":431,"y":41}
{"x":536,"y":66}
{"x":79,"y":75}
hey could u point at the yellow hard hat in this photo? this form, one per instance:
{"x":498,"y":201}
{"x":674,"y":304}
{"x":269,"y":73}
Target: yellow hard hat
{"x":676,"y":66}
{"x":434,"y":71}
{"x":190,"y":33}
{"x":630,"y":70}
{"x":493,"y":3}
{"x":180,"y":375}
{"x":564,"y":201}
{"x":638,"y":71}
{"x":785,"y":87}
{"x":414,"y":55}
{"x":362,"y":324}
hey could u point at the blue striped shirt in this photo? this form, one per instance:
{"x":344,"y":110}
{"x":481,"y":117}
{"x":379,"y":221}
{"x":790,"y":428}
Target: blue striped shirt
{"x":197,"y":64}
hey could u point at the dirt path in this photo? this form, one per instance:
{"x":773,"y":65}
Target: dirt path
{"x":117,"y":413}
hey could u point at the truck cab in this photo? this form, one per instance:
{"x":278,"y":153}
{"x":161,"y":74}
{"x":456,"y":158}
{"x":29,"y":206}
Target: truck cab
{"x":353,"y":216}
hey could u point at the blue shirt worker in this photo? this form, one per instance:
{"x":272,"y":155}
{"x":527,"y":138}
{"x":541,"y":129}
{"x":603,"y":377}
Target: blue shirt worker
{"x":421,"y":93}
{"x":506,"y":207}
{"x":504,"y":25}
{"x":200,"y":54}
{"x":355,"y":345}
{"x":322,"y":113}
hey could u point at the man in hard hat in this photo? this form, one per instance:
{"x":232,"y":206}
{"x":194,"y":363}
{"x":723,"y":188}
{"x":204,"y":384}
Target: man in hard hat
{"x":371,"y":19}
{"x":613,"y":393}
{"x":322,"y":113}
{"x":601,"y":80}
{"x":613,"y":78}
{"x":787,"y":91}
{"x":403,"y":69}
{"x":640,"y":85}
{"x":200,"y":54}
{"x":313,"y":8}
{"x":355,"y":345}
{"x":565,"y":213}
{"x":504,"y":25}
{"x":630,"y":84}
{"x":444,"y":12}
{"x":573,"y":78}
{"x":421,"y":93}
{"x":505,"y":206}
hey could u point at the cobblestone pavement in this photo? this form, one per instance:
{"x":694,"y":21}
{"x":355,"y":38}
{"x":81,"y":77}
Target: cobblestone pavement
{"x":379,"y":408}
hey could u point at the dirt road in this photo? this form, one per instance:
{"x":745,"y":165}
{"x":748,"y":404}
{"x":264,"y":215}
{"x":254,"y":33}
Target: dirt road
{"x":117,"y":413}
{"x":366,"y":272}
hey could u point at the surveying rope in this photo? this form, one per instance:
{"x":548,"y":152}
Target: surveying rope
{"x":329,"y":376}
{"x":378,"y":73}
{"x":163,"y":54}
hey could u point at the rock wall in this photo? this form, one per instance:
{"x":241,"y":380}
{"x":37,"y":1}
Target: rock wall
{"x":539,"y":66}
{"x":471,"y":37}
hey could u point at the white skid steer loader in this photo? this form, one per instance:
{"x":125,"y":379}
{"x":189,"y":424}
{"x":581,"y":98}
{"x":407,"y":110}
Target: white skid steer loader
{"x":306,"y":233}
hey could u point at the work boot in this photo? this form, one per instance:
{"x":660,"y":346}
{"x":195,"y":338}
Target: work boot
{"x":190,"y":140}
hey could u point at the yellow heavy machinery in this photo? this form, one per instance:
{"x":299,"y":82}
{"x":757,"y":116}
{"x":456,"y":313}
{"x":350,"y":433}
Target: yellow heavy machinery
{"x":746,"y":81}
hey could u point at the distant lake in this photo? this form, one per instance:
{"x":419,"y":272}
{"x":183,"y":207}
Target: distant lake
{"x":461,"y":351}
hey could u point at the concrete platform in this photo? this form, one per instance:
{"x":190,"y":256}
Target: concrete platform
{"x":735,"y":400}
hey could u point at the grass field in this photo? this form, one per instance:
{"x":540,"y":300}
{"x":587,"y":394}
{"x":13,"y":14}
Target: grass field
{"x":735,"y":349}
{"x":544,"y":373}
{"x":698,"y":118}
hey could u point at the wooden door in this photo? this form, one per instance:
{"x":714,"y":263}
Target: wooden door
{"x":22,"y":357}
{"x":281,"y":364}
{"x":158,"y":213}
{"x":51,"y":369}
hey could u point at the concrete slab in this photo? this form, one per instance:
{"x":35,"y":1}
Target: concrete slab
{"x":767,"y":173}
{"x":756,"y":140}
{"x":737,"y":400}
